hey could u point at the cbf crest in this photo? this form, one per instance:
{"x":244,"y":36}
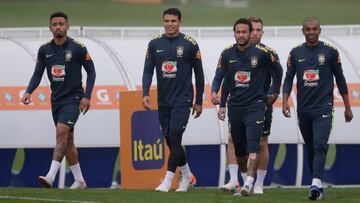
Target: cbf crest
{"x":179,"y":51}
{"x":68,"y":55}
{"x":254,"y":61}
{"x":321,"y":59}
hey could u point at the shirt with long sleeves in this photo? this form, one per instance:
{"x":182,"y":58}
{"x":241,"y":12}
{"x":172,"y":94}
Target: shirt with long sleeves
{"x":315,"y":68}
{"x":174,"y":60}
{"x":246,"y":74}
{"x":63,"y":64}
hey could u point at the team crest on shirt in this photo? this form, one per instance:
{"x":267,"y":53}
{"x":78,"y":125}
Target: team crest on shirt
{"x":321,"y":59}
{"x":254,"y":61}
{"x":311,"y":78}
{"x":58,"y":73}
{"x":169,"y":69}
{"x":242,"y":78}
{"x":68,"y":55}
{"x":179,"y":51}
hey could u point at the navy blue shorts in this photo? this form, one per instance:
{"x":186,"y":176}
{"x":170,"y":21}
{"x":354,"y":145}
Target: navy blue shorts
{"x":246,"y":127}
{"x":66,"y":112}
{"x":173,"y":120}
{"x":268,"y":120}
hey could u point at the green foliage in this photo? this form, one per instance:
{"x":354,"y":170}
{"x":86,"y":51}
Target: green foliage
{"x":24,"y":13}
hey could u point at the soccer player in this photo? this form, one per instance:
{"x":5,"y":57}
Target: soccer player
{"x":256,"y":36}
{"x":315,"y":64}
{"x":175,"y":56}
{"x":245,"y":67}
{"x":63,"y":58}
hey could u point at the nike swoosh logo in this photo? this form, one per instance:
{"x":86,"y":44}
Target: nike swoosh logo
{"x":69,"y":122}
{"x":259,"y":122}
{"x":49,"y":55}
{"x":301,"y":60}
{"x":159,"y":50}
{"x":232,"y":61}
{"x":325,"y":116}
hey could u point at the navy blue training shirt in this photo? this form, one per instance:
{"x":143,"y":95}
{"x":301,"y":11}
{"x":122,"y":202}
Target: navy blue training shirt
{"x":315,"y":68}
{"x":63,"y":66}
{"x":246,"y":73}
{"x":174,"y":60}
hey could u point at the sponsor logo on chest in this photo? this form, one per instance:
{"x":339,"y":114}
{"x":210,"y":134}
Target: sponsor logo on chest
{"x":169,"y":69}
{"x":242,"y":78}
{"x":311,"y":78}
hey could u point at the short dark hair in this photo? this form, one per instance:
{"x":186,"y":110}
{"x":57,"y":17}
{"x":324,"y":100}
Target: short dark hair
{"x":243,"y":21}
{"x":256,"y":20}
{"x":173,"y":11}
{"x":58,"y":14}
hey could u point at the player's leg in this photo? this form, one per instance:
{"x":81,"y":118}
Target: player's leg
{"x":254,"y":126}
{"x":306,"y":129}
{"x":164,"y":118}
{"x":322,"y":126}
{"x":237,"y":130}
{"x":264,"y":152}
{"x":74,"y":165}
{"x":47,"y":181}
{"x":233,"y":167}
{"x":178,"y":121}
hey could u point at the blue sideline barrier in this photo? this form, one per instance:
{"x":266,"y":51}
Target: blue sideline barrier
{"x":7,"y":157}
{"x":97,"y":166}
{"x":204,"y":162}
{"x":36,"y":162}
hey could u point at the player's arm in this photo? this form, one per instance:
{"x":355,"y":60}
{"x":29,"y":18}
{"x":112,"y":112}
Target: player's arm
{"x":218,"y":78}
{"x":341,"y":83}
{"x":89,"y":67}
{"x":288,"y":83}
{"x":276,"y":73}
{"x":199,"y":81}
{"x":36,"y":77}
{"x":147,"y":76}
{"x":225,"y":90}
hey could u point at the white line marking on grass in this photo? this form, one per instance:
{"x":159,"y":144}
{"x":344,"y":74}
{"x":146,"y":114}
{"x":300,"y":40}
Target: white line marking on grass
{"x":44,"y":199}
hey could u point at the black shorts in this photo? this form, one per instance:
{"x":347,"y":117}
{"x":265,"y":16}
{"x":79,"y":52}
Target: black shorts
{"x":173,"y":120}
{"x":268,"y":120}
{"x":66,"y":111}
{"x":246,"y":126}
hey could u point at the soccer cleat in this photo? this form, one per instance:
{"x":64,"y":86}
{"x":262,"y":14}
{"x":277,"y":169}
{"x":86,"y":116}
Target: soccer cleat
{"x":185,"y":183}
{"x":45,"y":181}
{"x":247,"y":190}
{"x":78,"y":185}
{"x":163,"y":187}
{"x":316,"y":193}
{"x":230,"y":187}
{"x":258,"y":189}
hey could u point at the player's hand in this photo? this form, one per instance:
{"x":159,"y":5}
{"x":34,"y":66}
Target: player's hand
{"x":84,"y":105}
{"x":221,"y":113}
{"x":26,"y":99}
{"x":286,"y":110}
{"x":348,"y":115}
{"x":270,"y":99}
{"x":215,"y":99}
{"x":146,"y":102}
{"x":197,"y":110}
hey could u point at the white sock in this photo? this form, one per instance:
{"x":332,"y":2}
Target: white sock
{"x":233,"y":171}
{"x":185,"y":171}
{"x":244,"y":176}
{"x":249,"y":181}
{"x":54,"y":167}
{"x":169,"y":177}
{"x":76,"y":171}
{"x":260,"y":176}
{"x":316,"y":182}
